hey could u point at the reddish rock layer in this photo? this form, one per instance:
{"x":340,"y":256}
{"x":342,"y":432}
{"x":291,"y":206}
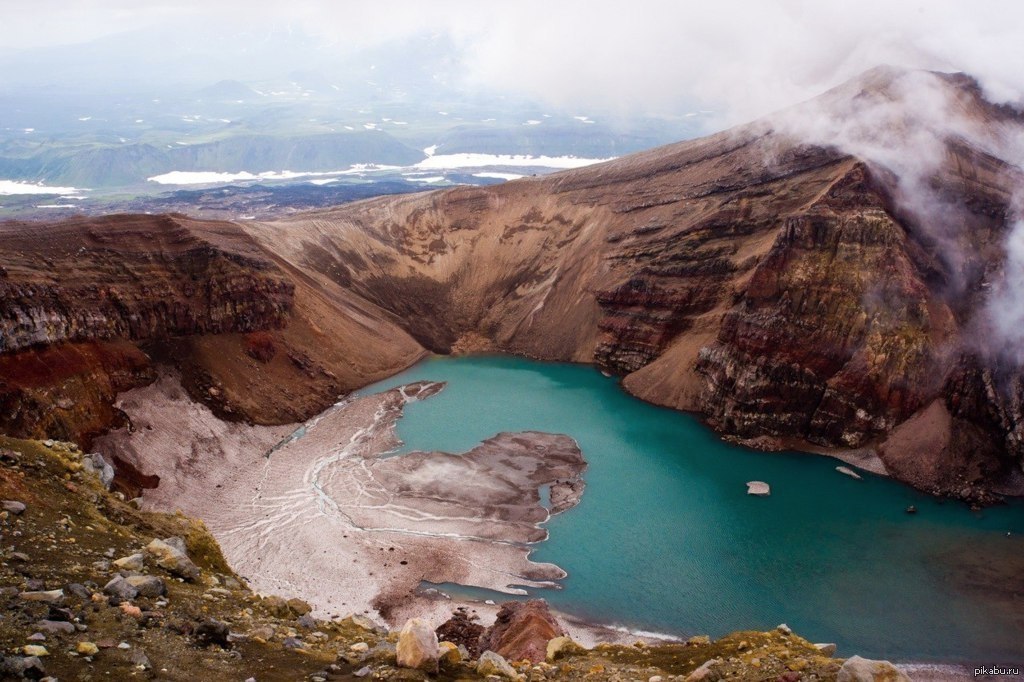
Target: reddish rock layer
{"x":788,"y":292}
{"x":522,"y":631}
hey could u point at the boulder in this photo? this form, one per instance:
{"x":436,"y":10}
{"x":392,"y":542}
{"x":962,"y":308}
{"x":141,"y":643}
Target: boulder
{"x":277,"y":606}
{"x":134,"y":562}
{"x":14,"y":507}
{"x":451,"y":655}
{"x":460,"y":629}
{"x":46,"y":596}
{"x":95,"y":463}
{"x":559,"y":647}
{"x":418,"y":647}
{"x":120,"y":588}
{"x":56,"y":626}
{"x":170,"y":555}
{"x":79,"y":590}
{"x":826,"y":649}
{"x":491,"y":663}
{"x":34,"y":650}
{"x":522,"y":631}
{"x":857,"y":669}
{"x":758,"y":488}
{"x":299,"y":607}
{"x":212,"y":632}
{"x":704,"y":671}
{"x":18,"y":668}
{"x":361,"y":621}
{"x":147,"y":585}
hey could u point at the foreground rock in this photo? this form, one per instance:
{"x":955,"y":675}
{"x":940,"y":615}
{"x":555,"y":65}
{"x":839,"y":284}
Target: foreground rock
{"x":522,"y":631}
{"x":462,"y":630}
{"x":857,"y":669}
{"x":170,"y":555}
{"x":418,"y":646}
{"x":494,"y":664}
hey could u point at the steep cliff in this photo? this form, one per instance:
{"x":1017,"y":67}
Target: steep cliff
{"x":816,"y":280}
{"x":88,"y":307}
{"x":795,"y":294}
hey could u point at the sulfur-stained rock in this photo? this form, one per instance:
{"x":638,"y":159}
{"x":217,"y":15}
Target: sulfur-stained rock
{"x":559,"y":647}
{"x":170,"y":555}
{"x":299,"y":607}
{"x":493,"y":664}
{"x":418,"y":647}
{"x":87,"y":648}
{"x":450,"y":654}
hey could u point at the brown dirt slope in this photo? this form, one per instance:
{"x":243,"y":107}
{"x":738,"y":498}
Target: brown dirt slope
{"x":786,"y":291}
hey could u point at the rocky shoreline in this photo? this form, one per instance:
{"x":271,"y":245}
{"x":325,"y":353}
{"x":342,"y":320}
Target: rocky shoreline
{"x":93,"y":587}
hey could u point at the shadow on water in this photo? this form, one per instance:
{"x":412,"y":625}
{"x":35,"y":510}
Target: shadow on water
{"x":665,"y":537}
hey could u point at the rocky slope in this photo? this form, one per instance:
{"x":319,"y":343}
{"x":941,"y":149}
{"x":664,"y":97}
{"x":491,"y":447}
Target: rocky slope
{"x":92,"y":588}
{"x":793,"y":294}
{"x":796,"y":281}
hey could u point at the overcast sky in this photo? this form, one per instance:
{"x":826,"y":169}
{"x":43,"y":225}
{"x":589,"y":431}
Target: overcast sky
{"x":742,"y":58}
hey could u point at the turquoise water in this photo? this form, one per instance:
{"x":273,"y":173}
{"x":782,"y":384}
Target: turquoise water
{"x":666,"y":539}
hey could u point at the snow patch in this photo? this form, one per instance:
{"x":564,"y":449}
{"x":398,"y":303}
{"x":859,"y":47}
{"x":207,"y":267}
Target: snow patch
{"x":473,"y":160}
{"x":499,"y":176}
{"x":17,"y":187}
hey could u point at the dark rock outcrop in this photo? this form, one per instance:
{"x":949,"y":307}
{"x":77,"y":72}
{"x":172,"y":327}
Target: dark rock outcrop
{"x":461,"y":630}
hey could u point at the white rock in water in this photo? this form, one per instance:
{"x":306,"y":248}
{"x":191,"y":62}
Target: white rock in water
{"x":759,"y":488}
{"x":849,"y":472}
{"x":857,"y":669}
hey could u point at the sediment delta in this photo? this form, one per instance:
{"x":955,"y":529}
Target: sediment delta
{"x":319,"y":510}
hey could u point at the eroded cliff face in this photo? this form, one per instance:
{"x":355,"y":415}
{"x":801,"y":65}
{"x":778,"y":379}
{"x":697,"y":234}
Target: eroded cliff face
{"x":787,"y":292}
{"x":791,"y":293}
{"x":89,"y":307}
{"x":133,"y":277}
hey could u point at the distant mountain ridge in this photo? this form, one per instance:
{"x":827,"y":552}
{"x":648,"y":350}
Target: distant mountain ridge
{"x":127,"y":165}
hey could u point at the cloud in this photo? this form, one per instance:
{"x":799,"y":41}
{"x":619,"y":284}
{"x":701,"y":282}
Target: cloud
{"x":740,"y":58}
